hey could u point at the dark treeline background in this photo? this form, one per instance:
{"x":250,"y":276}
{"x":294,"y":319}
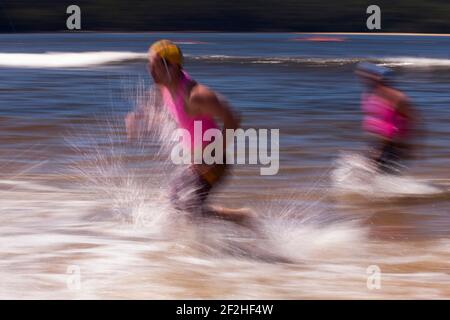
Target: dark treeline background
{"x":431,"y":16}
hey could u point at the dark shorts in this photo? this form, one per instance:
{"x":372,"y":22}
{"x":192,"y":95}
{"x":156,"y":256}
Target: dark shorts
{"x":190,"y":188}
{"x":392,"y":154}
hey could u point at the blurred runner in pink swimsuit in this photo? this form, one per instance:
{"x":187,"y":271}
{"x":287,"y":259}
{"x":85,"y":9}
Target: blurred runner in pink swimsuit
{"x":388,"y":116}
{"x":188,"y":101}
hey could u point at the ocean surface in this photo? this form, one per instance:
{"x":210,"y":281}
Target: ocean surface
{"x":84,"y":212}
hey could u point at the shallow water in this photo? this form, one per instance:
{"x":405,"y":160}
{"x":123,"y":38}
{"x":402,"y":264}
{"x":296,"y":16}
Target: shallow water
{"x":75,"y":196}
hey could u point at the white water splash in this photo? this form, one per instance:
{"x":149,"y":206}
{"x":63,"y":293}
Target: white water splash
{"x":355,"y":174}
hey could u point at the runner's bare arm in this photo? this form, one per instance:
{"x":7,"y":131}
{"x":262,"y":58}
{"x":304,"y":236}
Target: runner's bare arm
{"x":148,"y":112}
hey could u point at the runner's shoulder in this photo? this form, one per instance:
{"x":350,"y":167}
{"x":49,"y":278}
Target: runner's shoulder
{"x":396,"y":95}
{"x":202,"y":93}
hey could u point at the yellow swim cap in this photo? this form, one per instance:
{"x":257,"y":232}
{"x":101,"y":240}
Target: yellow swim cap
{"x":167,"y":50}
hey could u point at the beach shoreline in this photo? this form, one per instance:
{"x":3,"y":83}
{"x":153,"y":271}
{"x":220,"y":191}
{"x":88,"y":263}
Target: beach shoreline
{"x":234,"y":32}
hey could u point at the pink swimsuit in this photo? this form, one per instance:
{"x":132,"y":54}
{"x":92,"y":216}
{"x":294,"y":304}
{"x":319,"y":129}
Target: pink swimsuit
{"x":382,"y":118}
{"x":185,"y":121}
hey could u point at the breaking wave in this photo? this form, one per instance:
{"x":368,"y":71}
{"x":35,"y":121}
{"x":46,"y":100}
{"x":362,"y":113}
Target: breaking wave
{"x":99,"y":58}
